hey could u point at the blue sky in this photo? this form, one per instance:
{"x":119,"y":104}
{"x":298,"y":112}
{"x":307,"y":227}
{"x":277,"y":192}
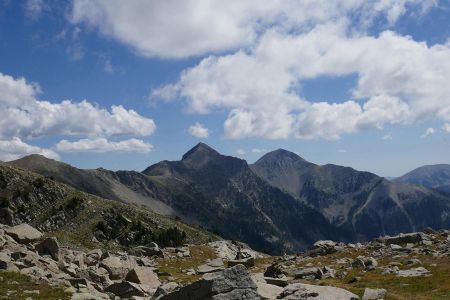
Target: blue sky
{"x":360,"y":84}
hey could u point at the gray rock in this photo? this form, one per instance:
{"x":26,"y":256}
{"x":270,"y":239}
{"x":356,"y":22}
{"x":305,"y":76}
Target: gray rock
{"x":277,"y":281}
{"x":301,"y":291}
{"x":248,"y":262}
{"x":414,"y":238}
{"x":374,"y":294}
{"x":367,"y":263}
{"x":322,"y":248}
{"x":48,"y":246}
{"x":212,"y":266}
{"x":24,"y":233}
{"x":118,"y":267}
{"x":308,"y":273}
{"x":149,"y":250}
{"x":232,"y":283}
{"x":125,"y":289}
{"x":164,"y":289}
{"x":415,"y":272}
{"x":143,"y":275}
{"x":267,"y":291}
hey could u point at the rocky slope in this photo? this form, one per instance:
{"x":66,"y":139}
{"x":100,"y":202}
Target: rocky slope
{"x":224,"y":195}
{"x":82,"y":218}
{"x":433,"y":176}
{"x":362,"y":202}
{"x":125,"y":186}
{"x":407,"y":266}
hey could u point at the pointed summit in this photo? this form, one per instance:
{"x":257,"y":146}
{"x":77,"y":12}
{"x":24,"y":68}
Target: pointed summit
{"x":281,"y":156}
{"x":201,"y":149}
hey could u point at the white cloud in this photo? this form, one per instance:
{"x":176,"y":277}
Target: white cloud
{"x":400,"y":81}
{"x":387,"y":136}
{"x":446,"y":127}
{"x":428,"y":132}
{"x":103,"y":145}
{"x":15,"y":148}
{"x":184,"y":28}
{"x":257,"y":150}
{"x":342,"y":151}
{"x":198,"y":130}
{"x":240,"y":152}
{"x":22,"y":115}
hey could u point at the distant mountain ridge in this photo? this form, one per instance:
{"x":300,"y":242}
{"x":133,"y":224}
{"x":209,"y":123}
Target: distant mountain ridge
{"x":280,"y":203}
{"x":432,"y":176}
{"x":361,"y":202}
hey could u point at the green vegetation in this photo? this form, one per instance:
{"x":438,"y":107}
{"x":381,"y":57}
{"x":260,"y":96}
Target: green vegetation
{"x":14,"y":285}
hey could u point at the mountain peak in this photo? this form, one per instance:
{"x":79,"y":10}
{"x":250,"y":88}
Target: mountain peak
{"x":281,"y":155}
{"x":200,"y":149}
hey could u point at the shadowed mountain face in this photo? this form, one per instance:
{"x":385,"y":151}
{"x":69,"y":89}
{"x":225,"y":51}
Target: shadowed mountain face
{"x":433,"y":176}
{"x":282,"y":202}
{"x":361,"y":202}
{"x":223,"y":194}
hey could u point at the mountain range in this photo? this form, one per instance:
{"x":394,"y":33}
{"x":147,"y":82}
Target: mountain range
{"x":280,"y":203}
{"x":432,"y":176}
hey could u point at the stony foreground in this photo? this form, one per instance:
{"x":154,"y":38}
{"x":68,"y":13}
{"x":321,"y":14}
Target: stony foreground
{"x":409,"y":266}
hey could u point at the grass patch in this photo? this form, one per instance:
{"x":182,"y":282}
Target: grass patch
{"x":175,"y":266}
{"x":14,"y":285}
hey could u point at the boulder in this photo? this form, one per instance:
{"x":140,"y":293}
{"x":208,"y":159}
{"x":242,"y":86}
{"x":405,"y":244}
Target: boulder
{"x":275,"y":270}
{"x":24,"y":233}
{"x":322,"y":248}
{"x":374,"y":294}
{"x":5,"y":262}
{"x":231,"y":283}
{"x":149,"y":250}
{"x":212,"y":266}
{"x":414,"y":238}
{"x":164,"y":289}
{"x":118,"y":267}
{"x":416,"y":272}
{"x":248,"y":262}
{"x":48,"y":246}
{"x":267,"y":291}
{"x":277,"y":281}
{"x":301,"y":291}
{"x":143,"y":275}
{"x":125,"y":289}
{"x":308,"y":273}
{"x":367,"y":263}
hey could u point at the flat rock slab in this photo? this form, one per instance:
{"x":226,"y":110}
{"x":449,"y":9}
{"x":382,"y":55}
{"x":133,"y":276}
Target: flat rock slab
{"x":212,"y":266}
{"x":143,"y":275}
{"x":24,"y":233}
{"x":374,"y":294}
{"x":301,"y":291}
{"x":416,"y":272}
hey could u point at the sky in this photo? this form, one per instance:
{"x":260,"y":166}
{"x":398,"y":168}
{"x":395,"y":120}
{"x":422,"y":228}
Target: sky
{"x":125,"y":84}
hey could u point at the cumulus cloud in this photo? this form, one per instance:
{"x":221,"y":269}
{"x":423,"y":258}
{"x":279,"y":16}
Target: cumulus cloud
{"x":103,"y":145}
{"x":260,"y":53}
{"x":197,"y":27}
{"x":23,"y":115}
{"x":400,"y":81}
{"x":387,"y":137}
{"x":15,"y":148}
{"x":446,"y":127}
{"x":428,"y":132}
{"x":198,"y":130}
{"x":240,"y":152}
